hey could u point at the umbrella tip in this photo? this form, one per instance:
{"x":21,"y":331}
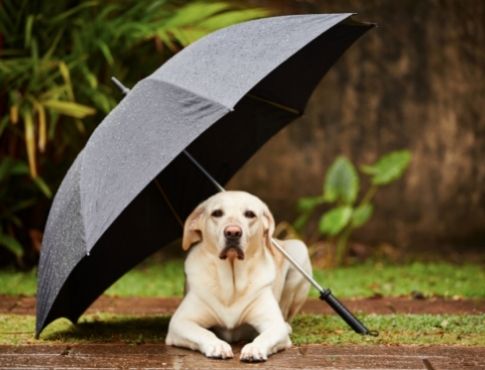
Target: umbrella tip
{"x":120,"y":86}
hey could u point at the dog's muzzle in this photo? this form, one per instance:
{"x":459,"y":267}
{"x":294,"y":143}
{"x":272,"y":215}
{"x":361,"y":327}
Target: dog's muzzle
{"x":232,"y":252}
{"x":233,"y":234}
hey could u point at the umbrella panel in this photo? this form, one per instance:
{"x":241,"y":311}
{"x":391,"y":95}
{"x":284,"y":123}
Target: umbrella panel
{"x":292,"y":83}
{"x":148,"y":223}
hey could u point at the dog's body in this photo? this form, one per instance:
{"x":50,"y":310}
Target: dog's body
{"x":238,"y":285}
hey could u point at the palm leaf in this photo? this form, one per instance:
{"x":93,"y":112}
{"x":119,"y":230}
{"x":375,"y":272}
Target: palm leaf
{"x":70,"y":109}
{"x":30,"y":141}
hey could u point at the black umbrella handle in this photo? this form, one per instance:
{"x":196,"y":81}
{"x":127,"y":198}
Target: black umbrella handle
{"x":327,"y":296}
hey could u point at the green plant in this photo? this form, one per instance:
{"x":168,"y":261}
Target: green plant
{"x":56,"y":60}
{"x":341,"y":189}
{"x":13,"y":172}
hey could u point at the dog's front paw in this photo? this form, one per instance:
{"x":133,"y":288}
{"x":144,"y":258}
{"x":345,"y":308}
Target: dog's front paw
{"x":253,"y":353}
{"x":217,"y":349}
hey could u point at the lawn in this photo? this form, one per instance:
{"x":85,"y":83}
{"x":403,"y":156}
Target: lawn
{"x":366,"y":280}
{"x":325,"y":329}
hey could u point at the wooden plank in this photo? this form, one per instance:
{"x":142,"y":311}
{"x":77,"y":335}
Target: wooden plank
{"x":155,"y":356}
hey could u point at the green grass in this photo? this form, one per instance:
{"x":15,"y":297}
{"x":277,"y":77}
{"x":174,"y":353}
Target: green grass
{"x":467,"y":330}
{"x":151,"y":280}
{"x":431,"y":279}
{"x":13,"y":282}
{"x":393,"y":329}
{"x":366,"y":280}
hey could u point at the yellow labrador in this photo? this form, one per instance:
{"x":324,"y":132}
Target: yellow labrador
{"x":238,"y":285}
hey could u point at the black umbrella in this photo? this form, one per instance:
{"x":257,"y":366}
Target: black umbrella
{"x":128,"y":190}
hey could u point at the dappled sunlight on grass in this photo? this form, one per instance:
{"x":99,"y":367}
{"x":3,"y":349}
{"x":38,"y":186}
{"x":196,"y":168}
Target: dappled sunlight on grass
{"x":109,"y":328}
{"x":394,"y":329}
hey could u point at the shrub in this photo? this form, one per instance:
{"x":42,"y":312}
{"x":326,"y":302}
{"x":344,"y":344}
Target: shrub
{"x":56,"y":60}
{"x":341,"y":188}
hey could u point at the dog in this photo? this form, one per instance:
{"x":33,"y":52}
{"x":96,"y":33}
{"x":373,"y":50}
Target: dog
{"x":238,"y":286}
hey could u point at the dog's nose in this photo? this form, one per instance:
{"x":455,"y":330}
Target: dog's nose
{"x":232,"y":232}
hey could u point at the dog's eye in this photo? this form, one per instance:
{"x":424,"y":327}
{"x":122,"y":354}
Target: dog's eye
{"x":217,"y":213}
{"x":249,"y":214}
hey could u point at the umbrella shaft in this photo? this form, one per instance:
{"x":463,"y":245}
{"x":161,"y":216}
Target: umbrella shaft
{"x":307,"y":276}
{"x":295,"y":264}
{"x":310,"y":279}
{"x":202,"y":169}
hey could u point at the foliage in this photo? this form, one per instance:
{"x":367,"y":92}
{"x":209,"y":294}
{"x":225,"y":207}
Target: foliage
{"x":56,"y":60}
{"x":341,"y":188}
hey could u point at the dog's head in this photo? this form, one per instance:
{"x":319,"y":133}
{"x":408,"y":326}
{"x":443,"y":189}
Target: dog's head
{"x":233,"y":224}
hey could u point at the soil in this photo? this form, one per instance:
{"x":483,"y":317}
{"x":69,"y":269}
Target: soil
{"x":138,"y":306}
{"x":158,"y":356}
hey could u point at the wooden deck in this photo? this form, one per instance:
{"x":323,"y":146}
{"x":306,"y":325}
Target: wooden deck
{"x":151,"y":356}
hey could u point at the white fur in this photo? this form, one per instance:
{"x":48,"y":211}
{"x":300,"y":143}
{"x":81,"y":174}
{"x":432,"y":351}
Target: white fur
{"x":237,"y":298}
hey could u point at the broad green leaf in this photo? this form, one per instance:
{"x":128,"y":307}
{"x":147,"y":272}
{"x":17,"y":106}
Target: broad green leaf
{"x":194,"y":12}
{"x":12,"y":167}
{"x":72,"y":109}
{"x":341,"y":182}
{"x":53,"y":46}
{"x":389,"y":167}
{"x":301,"y":221}
{"x":41,"y":184}
{"x":19,"y":168}
{"x":106,"y":52}
{"x":11,"y":244}
{"x":23,"y":204}
{"x":30,"y":141}
{"x":61,"y":17}
{"x":231,"y":17}
{"x":306,"y":204}
{"x":14,"y":114}
{"x":362,"y":214}
{"x":335,"y":220}
{"x":28,"y":30}
{"x":42,"y":125}
{"x":66,"y":76}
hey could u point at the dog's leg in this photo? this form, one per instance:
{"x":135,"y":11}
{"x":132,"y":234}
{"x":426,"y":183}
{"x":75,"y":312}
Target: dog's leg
{"x":185,"y":330}
{"x":266,"y":318}
{"x":184,"y":333}
{"x":296,"y":287}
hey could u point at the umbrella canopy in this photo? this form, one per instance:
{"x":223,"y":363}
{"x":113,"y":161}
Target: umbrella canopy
{"x":220,"y":99}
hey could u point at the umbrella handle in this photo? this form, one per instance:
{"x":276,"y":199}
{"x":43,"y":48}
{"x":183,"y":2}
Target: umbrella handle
{"x":327,"y":296}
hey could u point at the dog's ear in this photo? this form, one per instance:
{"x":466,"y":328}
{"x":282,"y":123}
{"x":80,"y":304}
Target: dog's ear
{"x":269,"y":226}
{"x":193,"y":228}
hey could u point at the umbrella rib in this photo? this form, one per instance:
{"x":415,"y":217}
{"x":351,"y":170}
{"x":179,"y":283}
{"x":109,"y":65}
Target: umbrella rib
{"x":275,"y":104}
{"x":170,"y":206}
